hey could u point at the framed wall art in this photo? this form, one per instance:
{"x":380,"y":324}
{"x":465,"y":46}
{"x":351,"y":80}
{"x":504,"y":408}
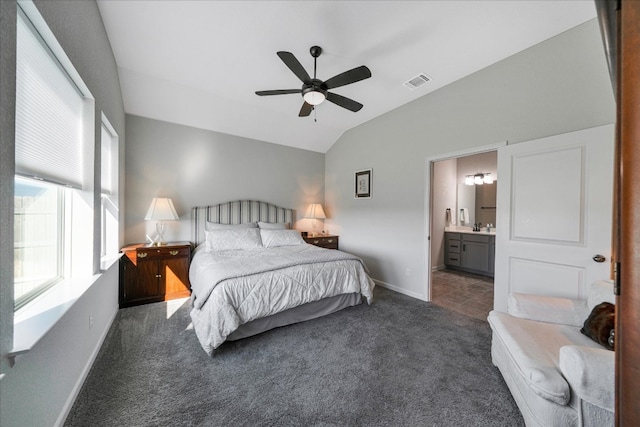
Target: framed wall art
{"x":363,"y":184}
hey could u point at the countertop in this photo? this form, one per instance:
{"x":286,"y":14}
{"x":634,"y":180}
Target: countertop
{"x":469,"y":230}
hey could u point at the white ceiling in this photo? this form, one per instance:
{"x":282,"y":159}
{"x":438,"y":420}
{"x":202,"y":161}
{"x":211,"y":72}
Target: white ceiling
{"x":199,"y":63}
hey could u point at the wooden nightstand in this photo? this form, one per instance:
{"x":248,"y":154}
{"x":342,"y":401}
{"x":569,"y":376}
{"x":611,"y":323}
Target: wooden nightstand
{"x":154,"y":273}
{"x":326,"y":241}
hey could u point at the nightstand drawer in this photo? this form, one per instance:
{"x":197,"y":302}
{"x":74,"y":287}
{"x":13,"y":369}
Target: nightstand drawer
{"x":328,"y":242}
{"x":161,"y":252}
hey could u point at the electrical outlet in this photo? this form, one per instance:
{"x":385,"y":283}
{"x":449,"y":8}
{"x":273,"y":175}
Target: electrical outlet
{"x":407,"y":272}
{"x":90,"y":321}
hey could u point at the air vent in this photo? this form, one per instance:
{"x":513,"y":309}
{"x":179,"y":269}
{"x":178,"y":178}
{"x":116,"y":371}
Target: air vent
{"x":417,"y":81}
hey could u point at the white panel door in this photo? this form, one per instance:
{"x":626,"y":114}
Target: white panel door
{"x":554,"y":207}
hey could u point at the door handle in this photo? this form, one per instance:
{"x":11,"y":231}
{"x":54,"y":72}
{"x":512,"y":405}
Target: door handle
{"x":599,"y":258}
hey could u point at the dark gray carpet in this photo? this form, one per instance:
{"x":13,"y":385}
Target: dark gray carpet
{"x":398,"y":362}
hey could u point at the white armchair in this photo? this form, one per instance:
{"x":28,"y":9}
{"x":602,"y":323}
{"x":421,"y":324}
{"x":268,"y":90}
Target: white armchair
{"x":557,"y":375}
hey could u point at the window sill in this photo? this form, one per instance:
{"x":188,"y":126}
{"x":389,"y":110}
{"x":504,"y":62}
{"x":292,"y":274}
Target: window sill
{"x":107,"y":261}
{"x":34,"y":321}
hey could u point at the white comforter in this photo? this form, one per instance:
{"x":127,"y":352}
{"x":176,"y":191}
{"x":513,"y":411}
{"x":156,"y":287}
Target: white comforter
{"x":230,"y":288}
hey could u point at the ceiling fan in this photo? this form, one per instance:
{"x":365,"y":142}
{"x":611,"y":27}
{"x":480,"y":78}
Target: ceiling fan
{"x":314,"y":91}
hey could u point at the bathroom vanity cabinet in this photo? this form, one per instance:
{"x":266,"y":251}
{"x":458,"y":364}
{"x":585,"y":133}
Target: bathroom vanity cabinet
{"x":473,"y":252}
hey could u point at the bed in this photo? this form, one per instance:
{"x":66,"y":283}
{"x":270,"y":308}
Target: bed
{"x":251,"y":272}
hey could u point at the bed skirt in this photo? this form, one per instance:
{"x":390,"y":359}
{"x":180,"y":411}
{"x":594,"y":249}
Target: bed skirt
{"x":308,"y":311}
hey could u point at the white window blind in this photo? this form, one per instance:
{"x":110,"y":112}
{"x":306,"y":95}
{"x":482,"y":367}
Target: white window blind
{"x":49,"y":113}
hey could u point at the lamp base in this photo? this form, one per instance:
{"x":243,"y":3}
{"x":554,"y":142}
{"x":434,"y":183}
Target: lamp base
{"x":160,"y":228}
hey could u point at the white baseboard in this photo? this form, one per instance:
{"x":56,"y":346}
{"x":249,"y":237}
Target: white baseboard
{"x":400,"y":290}
{"x":62,"y":417}
{"x":438,"y":268}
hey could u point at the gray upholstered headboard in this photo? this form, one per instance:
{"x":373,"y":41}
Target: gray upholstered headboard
{"x":237,"y":212}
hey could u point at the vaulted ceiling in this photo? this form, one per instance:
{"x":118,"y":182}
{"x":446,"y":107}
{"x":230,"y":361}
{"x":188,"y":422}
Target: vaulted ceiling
{"x":199,"y":63}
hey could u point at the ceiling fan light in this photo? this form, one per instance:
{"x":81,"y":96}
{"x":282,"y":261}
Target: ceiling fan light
{"x":314,"y":97}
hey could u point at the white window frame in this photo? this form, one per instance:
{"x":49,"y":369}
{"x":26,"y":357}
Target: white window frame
{"x":109,"y":205}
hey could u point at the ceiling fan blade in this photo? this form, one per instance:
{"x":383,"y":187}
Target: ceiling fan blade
{"x":344,"y":102}
{"x":348,"y":77}
{"x":294,"y":65}
{"x":277,"y":92}
{"x":305,"y":110}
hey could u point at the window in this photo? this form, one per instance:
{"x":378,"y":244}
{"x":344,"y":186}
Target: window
{"x":39,"y":210}
{"x":109,"y":194}
{"x":54,"y":167}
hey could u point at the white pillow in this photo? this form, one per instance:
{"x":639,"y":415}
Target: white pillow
{"x":274,"y":225}
{"x":216,"y":226}
{"x":226,"y":240}
{"x":273,"y":238}
{"x":600,"y":291}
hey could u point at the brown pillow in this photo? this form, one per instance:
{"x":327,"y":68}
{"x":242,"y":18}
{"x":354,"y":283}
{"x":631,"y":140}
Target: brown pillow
{"x":600,"y":323}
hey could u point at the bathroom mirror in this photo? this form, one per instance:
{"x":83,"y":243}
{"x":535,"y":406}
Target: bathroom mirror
{"x":476,"y":203}
{"x":486,"y":203}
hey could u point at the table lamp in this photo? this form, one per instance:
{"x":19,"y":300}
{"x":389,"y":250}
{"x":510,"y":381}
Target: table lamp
{"x":315,"y":212}
{"x":161,"y":209}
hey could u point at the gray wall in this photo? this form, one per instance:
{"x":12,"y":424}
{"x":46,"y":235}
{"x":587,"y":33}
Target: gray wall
{"x":196,"y":167}
{"x":7,"y":169}
{"x":38,"y":390}
{"x":557,"y":86}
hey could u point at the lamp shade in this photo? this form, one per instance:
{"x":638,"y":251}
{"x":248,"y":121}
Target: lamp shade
{"x":161,"y":209}
{"x":315,"y":211}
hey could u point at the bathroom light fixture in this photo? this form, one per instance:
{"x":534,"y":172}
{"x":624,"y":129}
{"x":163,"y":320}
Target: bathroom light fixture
{"x":478,"y":179}
{"x":161,"y":209}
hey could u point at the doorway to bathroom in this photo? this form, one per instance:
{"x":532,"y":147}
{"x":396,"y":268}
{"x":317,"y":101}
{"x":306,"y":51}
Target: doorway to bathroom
{"x":467,"y":293}
{"x":461,"y":204}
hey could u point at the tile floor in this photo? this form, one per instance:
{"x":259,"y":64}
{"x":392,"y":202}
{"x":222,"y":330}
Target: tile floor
{"x":466,"y":293}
